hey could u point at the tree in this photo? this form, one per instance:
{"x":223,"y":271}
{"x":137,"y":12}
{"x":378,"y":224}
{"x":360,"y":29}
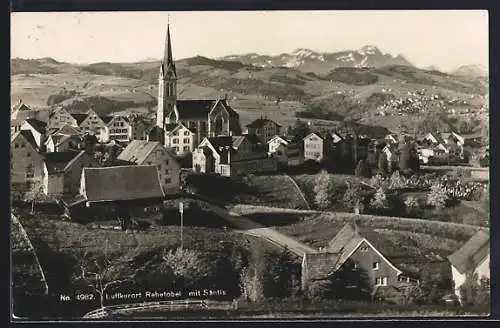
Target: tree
{"x":404,"y":157}
{"x":363,"y":169}
{"x":252,"y":276}
{"x":279,"y":275}
{"x":299,"y":130}
{"x":379,"y":200}
{"x":475,"y":291}
{"x":322,"y":188}
{"x":437,"y":197}
{"x":186,"y":264}
{"x":89,"y":141}
{"x":411,"y":204}
{"x":397,"y":181}
{"x":352,"y":197}
{"x":383,"y":165}
{"x":35,"y":192}
{"x":103,"y":271}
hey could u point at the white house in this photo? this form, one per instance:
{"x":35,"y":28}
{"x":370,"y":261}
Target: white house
{"x":472,"y":258}
{"x":179,"y":138}
{"x":96,"y":124}
{"x":38,"y":129}
{"x":120,"y":129}
{"x":276,"y":141}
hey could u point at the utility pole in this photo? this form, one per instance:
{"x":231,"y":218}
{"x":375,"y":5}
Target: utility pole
{"x":181,"y":211}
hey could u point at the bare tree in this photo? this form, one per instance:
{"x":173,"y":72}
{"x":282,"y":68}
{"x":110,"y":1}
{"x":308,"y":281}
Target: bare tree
{"x":103,"y":271}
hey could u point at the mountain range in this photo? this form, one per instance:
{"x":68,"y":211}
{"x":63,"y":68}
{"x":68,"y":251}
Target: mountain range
{"x":349,"y":84}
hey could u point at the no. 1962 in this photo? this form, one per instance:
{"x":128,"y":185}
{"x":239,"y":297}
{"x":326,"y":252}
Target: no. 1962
{"x":84,"y":297}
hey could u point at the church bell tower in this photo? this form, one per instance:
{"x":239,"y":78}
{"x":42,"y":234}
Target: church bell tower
{"x":167,"y":84}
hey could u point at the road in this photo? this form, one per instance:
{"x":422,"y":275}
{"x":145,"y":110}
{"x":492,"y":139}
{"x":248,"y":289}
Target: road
{"x":246,"y":226}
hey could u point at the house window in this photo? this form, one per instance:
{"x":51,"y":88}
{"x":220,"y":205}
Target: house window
{"x":186,"y":133}
{"x":30,"y":171}
{"x":176,"y":149}
{"x":381,"y":281}
{"x":168,"y":180}
{"x":166,"y":162}
{"x":16,"y":145}
{"x":364,"y":248}
{"x":149,"y":162}
{"x":175,"y":140}
{"x":28,"y":154}
{"x":186,"y":140}
{"x":355,"y":267}
{"x":22,"y":145}
{"x":166,"y":171}
{"x":351,"y":284}
{"x":185,"y":148}
{"x":375,"y":265}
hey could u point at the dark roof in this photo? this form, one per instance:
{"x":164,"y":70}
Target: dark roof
{"x":57,"y":162}
{"x":252,"y":138}
{"x":472,"y":253}
{"x":221,"y":143}
{"x":29,"y":137}
{"x":122,"y":183}
{"x":170,"y":126}
{"x":319,"y":265}
{"x":259,"y":123}
{"x":189,"y":109}
{"x":344,"y":236}
{"x":20,"y":106}
{"x":37,"y":125}
{"x":194,"y":108}
{"x":79,"y":117}
{"x":107,"y":119}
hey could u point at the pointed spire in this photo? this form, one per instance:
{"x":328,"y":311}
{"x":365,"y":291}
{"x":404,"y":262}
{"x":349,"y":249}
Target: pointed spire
{"x":167,"y":57}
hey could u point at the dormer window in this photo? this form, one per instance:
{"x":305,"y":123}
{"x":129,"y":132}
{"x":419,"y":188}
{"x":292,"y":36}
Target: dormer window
{"x":375,"y":265}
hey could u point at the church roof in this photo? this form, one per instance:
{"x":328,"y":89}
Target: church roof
{"x":200,"y":108}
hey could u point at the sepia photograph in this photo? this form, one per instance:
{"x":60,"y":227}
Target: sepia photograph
{"x":249,"y":165}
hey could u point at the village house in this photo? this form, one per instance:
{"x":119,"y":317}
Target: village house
{"x":336,"y":137}
{"x":391,"y":139}
{"x":351,"y":260}
{"x":208,"y":118}
{"x":60,"y":117}
{"x":19,"y":110}
{"x":263,"y":128}
{"x":139,"y":128}
{"x":62,"y":142}
{"x":111,"y":192}
{"x":232,"y":156}
{"x":472,"y":258}
{"x":452,"y":137}
{"x":142,"y":152}
{"x":96,"y":124}
{"x":38,"y":129}
{"x":26,"y":164}
{"x":62,"y":171}
{"x":287,"y":153}
{"x":317,"y":146}
{"x":179,"y":138}
{"x":119,"y":129}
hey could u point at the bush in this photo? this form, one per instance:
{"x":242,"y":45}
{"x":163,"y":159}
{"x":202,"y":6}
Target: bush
{"x":379,"y":200}
{"x":397,"y":181}
{"x":322,"y":188}
{"x":437,"y":197}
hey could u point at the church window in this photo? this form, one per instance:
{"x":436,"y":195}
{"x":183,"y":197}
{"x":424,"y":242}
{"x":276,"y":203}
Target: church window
{"x":218,"y":125}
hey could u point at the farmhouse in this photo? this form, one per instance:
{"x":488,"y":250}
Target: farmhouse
{"x":94,"y":123}
{"x":141,"y":152}
{"x":61,"y":117}
{"x":290,"y":154}
{"x":119,"y":128}
{"x":209,"y":118}
{"x":117,"y":190}
{"x":472,"y":258}
{"x":232,"y":156}
{"x":140,"y":128}
{"x":26,"y":164}
{"x":179,"y":138}
{"x":276,"y":141}
{"x":62,"y":171}
{"x":354,"y":263}
{"x":263,"y":128}
{"x":317,"y":146}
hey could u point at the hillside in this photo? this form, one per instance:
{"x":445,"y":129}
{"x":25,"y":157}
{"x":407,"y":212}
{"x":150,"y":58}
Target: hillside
{"x":278,"y":92}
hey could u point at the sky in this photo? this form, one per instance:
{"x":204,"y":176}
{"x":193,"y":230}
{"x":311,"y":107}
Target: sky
{"x":445,"y":38}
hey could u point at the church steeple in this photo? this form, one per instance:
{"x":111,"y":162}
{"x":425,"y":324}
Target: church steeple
{"x":167,"y":84}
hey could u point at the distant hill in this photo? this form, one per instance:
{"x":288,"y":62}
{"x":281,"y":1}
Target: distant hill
{"x":320,"y":63}
{"x":332,"y":93}
{"x":471,"y":71}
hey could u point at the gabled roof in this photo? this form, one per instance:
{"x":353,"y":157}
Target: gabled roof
{"x":79,"y":117}
{"x":20,"y":106}
{"x":138,"y":150}
{"x":27,"y":135}
{"x":39,"y":126}
{"x":60,"y":161}
{"x":472,"y":253}
{"x":172,"y":127}
{"x":436,"y":136}
{"x":321,"y":135}
{"x":252,"y":139}
{"x":221,"y":143}
{"x":68,"y":130}
{"x":119,"y":183}
{"x":319,"y":265}
{"x":259,"y":123}
{"x":284,"y":139}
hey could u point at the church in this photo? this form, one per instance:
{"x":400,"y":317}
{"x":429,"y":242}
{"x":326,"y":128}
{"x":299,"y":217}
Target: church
{"x":205,"y":118}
